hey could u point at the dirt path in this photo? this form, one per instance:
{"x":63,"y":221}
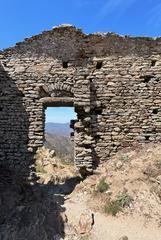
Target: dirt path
{"x":113,"y":228}
{"x":108,"y":227}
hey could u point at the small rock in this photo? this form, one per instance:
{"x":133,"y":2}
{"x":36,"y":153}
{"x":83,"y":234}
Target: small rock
{"x":48,"y":178}
{"x":159,"y":178}
{"x":119,"y":165}
{"x":64,"y":217}
{"x":57,"y":237}
{"x":86,"y":222}
{"x":78,"y":125}
{"x":49,"y":168}
{"x":52,"y":153}
{"x":123,"y":238}
{"x":87,"y":109}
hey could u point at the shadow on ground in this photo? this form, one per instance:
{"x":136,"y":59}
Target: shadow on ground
{"x":27,"y":211}
{"x":32,"y":212}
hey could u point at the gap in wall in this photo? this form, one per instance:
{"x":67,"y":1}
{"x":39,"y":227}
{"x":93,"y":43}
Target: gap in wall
{"x":58,"y":134}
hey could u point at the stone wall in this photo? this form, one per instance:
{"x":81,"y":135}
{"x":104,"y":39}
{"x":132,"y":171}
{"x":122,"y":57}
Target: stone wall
{"x":112,"y":81}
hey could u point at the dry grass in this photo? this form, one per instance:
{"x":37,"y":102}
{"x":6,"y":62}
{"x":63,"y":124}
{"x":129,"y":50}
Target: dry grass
{"x":102,"y":186}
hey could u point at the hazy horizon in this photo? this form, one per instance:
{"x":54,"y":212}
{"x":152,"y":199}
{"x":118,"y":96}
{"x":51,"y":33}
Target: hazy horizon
{"x":58,"y":122}
{"x":60,"y":114}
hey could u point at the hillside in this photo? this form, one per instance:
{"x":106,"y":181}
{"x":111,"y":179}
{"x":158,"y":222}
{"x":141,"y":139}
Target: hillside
{"x":58,"y":138}
{"x":124,"y":196}
{"x":59,"y":129}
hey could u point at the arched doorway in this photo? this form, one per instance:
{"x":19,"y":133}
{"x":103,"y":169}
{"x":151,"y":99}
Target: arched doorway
{"x":59,"y":128}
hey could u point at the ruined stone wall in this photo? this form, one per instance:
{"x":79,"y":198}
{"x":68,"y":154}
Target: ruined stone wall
{"x":112,"y":81}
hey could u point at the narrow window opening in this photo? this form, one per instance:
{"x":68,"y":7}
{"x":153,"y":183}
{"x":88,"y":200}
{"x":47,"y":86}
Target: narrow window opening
{"x":147,"y":138}
{"x":59,"y":133}
{"x":98,"y":111}
{"x":65,"y":64}
{"x":97,"y":138}
{"x":146,"y":78}
{"x":85,"y":76}
{"x":99,"y":65}
{"x":155,"y":111}
{"x":153,"y":63}
{"x":1,"y":109}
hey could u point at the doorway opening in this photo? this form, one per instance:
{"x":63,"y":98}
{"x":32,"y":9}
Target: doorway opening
{"x":59,"y":135}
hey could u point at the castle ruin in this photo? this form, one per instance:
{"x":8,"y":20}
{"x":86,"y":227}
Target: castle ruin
{"x":113,"y":82}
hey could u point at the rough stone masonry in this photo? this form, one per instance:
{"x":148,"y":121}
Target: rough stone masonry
{"x":113,"y":82}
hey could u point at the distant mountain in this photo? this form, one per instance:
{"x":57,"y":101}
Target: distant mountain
{"x":60,"y":129}
{"x":58,"y":138}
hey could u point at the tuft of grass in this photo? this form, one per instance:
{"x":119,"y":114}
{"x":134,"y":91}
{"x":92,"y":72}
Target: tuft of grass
{"x":151,"y":171}
{"x":67,"y":163}
{"x":112,"y":208}
{"x":39,"y":168}
{"x":124,"y":158}
{"x":158,"y":164}
{"x":84,"y":237}
{"x":122,"y":200}
{"x":102,"y":186}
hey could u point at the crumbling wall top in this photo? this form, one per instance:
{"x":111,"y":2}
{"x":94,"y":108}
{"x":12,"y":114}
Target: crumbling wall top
{"x":66,"y":41}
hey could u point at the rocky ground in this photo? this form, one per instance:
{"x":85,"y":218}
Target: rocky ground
{"x":120,"y":201}
{"x":123,"y":196}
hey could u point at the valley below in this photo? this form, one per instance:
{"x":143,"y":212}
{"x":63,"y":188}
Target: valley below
{"x":58,"y":138}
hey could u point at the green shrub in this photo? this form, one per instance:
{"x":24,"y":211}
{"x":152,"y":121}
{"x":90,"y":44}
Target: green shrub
{"x":124,"y":199}
{"x":112,"y":208}
{"x":84,"y":238}
{"x":102,"y":186}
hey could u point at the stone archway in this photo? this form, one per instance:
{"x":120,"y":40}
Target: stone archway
{"x":58,"y":127}
{"x":62,"y":95}
{"x":58,"y":95}
{"x":58,"y":90}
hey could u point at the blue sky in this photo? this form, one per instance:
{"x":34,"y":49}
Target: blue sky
{"x":60,"y":114}
{"x":23,"y":18}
